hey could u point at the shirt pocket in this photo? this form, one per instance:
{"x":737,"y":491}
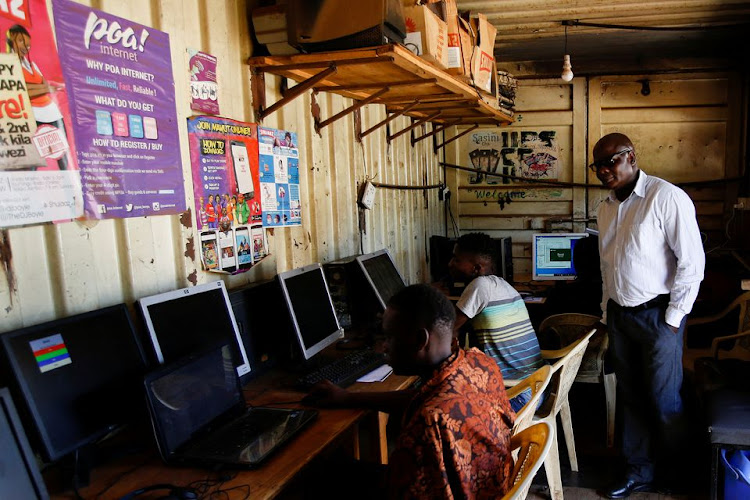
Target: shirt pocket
{"x":643,"y":240}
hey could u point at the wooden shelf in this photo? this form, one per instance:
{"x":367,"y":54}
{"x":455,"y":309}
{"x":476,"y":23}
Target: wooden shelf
{"x":416,"y":88}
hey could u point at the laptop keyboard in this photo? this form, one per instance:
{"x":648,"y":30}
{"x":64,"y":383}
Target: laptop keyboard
{"x":344,"y":371}
{"x":240,"y":432}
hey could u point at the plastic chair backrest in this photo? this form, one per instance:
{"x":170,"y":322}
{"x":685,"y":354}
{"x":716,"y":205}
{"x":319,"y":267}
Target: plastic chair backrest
{"x":567,"y":366}
{"x":537,"y":382}
{"x":533,"y":445}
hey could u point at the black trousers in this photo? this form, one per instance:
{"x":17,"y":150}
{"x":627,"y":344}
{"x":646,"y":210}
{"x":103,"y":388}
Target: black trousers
{"x":647,"y":357}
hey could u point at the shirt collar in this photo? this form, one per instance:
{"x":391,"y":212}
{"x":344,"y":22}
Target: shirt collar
{"x":638,"y":190}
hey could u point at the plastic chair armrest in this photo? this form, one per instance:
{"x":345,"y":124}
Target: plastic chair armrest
{"x":717,"y":340}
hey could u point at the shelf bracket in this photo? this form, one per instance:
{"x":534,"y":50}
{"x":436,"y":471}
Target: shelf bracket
{"x":390,"y":118}
{"x":435,"y":131}
{"x":476,"y":126}
{"x":414,"y":125}
{"x":291,"y":94}
{"x":353,"y":107}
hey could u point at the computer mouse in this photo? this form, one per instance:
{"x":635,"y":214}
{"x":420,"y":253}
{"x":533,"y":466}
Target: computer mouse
{"x":181,"y":494}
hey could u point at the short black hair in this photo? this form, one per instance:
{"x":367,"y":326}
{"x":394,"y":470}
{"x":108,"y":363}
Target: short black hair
{"x":478,"y":244}
{"x":425,"y":307}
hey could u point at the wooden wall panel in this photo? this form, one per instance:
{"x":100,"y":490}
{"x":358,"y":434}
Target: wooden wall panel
{"x":687,"y":129}
{"x":74,"y":267}
{"x":542,"y":105}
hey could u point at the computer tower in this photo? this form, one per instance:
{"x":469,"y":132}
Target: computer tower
{"x":504,"y":258}
{"x":326,"y":25}
{"x":264,"y":324}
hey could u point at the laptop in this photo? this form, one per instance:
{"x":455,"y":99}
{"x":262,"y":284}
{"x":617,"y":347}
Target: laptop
{"x":200,"y":417}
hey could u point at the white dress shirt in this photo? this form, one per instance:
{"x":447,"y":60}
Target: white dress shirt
{"x":650,"y":245}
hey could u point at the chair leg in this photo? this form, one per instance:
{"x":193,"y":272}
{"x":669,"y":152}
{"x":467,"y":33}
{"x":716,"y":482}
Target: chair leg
{"x":610,"y":394}
{"x":570,"y":441}
{"x":552,"y":467}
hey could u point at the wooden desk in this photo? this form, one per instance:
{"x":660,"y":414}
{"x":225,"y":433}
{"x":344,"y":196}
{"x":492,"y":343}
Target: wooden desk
{"x":332,"y":428}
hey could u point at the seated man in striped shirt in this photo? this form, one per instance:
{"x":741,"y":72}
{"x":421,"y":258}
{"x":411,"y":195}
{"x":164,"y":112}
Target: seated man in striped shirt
{"x":497,"y":314}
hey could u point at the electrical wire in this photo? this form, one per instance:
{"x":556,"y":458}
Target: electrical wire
{"x":580,"y":184}
{"x":653,"y":28}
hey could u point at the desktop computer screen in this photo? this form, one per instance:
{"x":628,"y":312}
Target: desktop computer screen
{"x":382,"y":274}
{"x":552,"y":255}
{"x":191,"y":320}
{"x":78,"y":378}
{"x":310,"y":306}
{"x":19,"y":475}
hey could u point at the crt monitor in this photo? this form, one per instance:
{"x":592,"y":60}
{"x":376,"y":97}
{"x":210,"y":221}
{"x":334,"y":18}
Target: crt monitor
{"x":310,"y":307}
{"x":382,"y":274}
{"x":191,"y":320}
{"x":553,"y":255}
{"x":19,"y":475}
{"x":78,"y":377}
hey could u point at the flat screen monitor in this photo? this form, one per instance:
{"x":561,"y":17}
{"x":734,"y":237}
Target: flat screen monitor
{"x":78,"y":377}
{"x":192,"y":320}
{"x":553,"y":255}
{"x":19,"y":475}
{"x":382,"y":274}
{"x":310,"y":306}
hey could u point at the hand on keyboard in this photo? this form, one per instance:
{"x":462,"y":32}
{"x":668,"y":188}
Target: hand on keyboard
{"x":326,"y":394}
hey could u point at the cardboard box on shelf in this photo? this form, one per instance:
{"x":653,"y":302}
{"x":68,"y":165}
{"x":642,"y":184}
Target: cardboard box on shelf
{"x":466,"y":38}
{"x":270,"y":27}
{"x":426,"y":34}
{"x":483,"y":59}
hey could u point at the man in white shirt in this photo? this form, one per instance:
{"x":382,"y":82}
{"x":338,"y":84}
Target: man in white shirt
{"x":652,"y":264}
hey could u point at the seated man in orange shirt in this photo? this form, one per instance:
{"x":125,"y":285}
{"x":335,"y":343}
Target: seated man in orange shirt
{"x":455,"y":437}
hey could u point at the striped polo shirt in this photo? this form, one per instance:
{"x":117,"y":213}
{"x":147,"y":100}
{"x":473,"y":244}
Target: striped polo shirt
{"x":501,"y":326}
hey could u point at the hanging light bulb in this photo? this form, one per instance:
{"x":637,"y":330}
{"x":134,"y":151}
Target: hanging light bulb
{"x":567,"y":71}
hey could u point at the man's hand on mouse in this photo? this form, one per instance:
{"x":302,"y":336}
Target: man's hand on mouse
{"x":326,"y":394}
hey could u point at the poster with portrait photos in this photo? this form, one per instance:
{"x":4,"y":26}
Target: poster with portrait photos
{"x":278,"y":166}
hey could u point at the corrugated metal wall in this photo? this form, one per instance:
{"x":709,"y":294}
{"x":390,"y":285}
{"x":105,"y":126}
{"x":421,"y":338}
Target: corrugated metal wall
{"x":63,"y":269}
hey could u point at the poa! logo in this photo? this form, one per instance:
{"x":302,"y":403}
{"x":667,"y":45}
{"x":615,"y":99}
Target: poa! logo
{"x":112,"y":33}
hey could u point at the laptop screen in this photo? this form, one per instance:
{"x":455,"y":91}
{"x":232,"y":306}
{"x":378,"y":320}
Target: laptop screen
{"x":188,"y":396}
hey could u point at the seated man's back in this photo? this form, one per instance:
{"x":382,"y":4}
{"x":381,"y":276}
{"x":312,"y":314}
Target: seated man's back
{"x":456,"y":434}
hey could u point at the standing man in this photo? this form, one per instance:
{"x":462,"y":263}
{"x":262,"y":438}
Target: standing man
{"x":652,"y":264}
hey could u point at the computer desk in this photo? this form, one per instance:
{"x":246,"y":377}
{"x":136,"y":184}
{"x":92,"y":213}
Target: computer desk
{"x":332,"y":428}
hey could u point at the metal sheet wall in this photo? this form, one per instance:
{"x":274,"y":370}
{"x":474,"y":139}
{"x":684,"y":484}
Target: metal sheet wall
{"x":63,"y":269}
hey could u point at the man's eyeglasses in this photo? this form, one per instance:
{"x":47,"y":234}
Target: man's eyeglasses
{"x":608,"y":162}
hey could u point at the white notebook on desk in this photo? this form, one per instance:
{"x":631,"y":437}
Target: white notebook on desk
{"x":379,"y":374}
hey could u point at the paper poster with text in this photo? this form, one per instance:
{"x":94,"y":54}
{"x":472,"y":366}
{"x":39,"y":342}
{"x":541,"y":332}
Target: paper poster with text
{"x":224,"y":162}
{"x":204,"y":90}
{"x":531,"y":154}
{"x":279,"y":177}
{"x":120,"y":81}
{"x":39,"y":181}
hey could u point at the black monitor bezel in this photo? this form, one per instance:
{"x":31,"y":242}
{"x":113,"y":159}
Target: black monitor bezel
{"x":361,"y":262}
{"x":48,"y":451}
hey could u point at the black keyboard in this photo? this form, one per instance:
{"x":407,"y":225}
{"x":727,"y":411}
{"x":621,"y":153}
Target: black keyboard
{"x":344,"y":371}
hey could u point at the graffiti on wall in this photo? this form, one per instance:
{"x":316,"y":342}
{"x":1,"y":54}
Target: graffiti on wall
{"x":529,"y":154}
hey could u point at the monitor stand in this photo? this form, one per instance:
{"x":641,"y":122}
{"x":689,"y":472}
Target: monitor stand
{"x":75,"y":468}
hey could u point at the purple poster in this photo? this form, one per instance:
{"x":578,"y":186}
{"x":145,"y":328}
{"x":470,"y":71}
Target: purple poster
{"x":204,"y":90}
{"x":119,"y":76}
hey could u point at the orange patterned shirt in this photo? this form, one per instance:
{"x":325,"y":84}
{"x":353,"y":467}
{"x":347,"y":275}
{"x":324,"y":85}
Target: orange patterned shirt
{"x":455,"y":441}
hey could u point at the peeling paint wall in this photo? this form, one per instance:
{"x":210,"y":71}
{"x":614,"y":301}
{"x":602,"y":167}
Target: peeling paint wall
{"x":63,"y":269}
